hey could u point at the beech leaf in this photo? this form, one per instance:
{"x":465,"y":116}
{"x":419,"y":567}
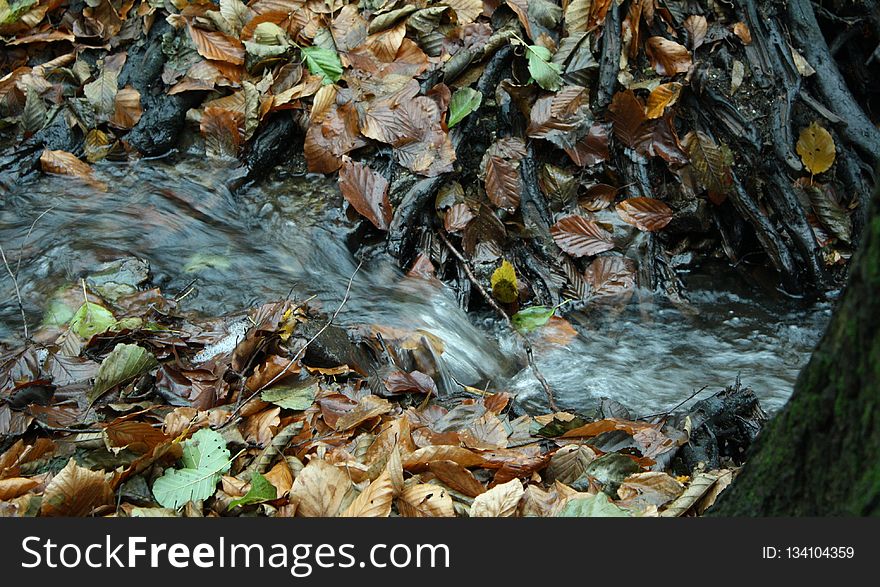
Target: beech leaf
{"x":464,"y":101}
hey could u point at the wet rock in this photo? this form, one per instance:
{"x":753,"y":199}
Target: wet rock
{"x":119,"y":278}
{"x":333,"y":347}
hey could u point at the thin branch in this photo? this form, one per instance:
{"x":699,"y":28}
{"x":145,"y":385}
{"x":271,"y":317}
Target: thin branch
{"x":300,"y":352}
{"x":526,"y":343}
{"x":17,"y":292}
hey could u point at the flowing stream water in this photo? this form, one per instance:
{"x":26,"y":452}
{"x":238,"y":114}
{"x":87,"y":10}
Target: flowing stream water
{"x":289,"y":235}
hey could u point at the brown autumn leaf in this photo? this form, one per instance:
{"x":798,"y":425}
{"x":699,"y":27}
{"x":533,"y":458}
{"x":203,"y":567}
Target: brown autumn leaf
{"x":650,"y":488}
{"x":611,"y":277}
{"x":369,"y":407}
{"x":457,"y":217}
{"x":64,"y":163}
{"x":561,"y":118}
{"x":579,"y":237}
{"x":138,"y":437}
{"x":742,"y":31}
{"x":627,"y":116}
{"x":281,"y":478}
{"x":425,"y":501}
{"x":592,"y":148}
{"x":75,"y":492}
{"x":367,"y":191}
{"x":127,"y":110}
{"x":219,"y":128}
{"x":697,"y":27}
{"x":15,"y":486}
{"x":260,"y":428}
{"x":647,"y":214}
{"x":661,"y":98}
{"x":419,"y":459}
{"x":402,"y":382}
{"x":607,"y":425}
{"x":499,"y":502}
{"x":456,"y":477}
{"x":668,"y":57}
{"x":598,"y":197}
{"x":327,"y":141}
{"x":319,"y":490}
{"x":500,"y":167}
{"x":216,"y":45}
{"x":374,"y":501}
{"x":487,"y":432}
{"x":569,"y":463}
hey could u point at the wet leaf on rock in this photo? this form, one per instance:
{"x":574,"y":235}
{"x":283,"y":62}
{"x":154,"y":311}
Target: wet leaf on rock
{"x":581,"y":237}
{"x":816,"y":148}
{"x":647,"y":214}
{"x":367,"y":191}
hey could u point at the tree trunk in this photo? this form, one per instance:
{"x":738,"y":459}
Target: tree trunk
{"x":821,"y":454}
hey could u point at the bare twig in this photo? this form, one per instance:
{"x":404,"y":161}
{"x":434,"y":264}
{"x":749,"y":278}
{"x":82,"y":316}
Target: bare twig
{"x":17,"y":292}
{"x":526,"y":343}
{"x":300,"y":352}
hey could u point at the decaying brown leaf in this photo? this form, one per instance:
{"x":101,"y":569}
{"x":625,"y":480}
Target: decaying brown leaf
{"x":366,"y":191}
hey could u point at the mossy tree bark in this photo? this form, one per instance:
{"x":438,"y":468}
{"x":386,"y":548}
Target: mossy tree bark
{"x":821,"y":454}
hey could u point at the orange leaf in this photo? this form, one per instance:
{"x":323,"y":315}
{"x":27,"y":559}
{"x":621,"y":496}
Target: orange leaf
{"x":220,"y":129}
{"x":127,"y":111}
{"x":75,"y":492}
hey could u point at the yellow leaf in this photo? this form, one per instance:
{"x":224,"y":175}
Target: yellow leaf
{"x":816,"y":148}
{"x":504,"y":284}
{"x":661,"y":97}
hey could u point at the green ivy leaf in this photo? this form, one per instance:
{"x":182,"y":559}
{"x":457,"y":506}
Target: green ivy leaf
{"x":463,"y":102}
{"x":261,"y":490}
{"x":547,"y":74}
{"x":323,"y":62}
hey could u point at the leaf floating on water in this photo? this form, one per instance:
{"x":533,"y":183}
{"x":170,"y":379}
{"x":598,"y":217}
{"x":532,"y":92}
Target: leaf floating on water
{"x":647,"y":214}
{"x":816,"y":148}
{"x":64,"y":163}
{"x":505,"y":286}
{"x":367,"y":191}
{"x":464,"y":101}
{"x":579,"y":237}
{"x":125,"y":362}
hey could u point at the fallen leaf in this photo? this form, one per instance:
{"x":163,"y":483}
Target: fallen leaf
{"x":75,"y":492}
{"x":668,"y":57}
{"x":366,"y":191}
{"x":816,"y":148}
{"x":499,"y":502}
{"x":647,"y":214}
{"x":579,"y":237}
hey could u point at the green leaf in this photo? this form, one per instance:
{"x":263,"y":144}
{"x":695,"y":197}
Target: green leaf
{"x":463,"y":102}
{"x":298,"y":396}
{"x":205,"y":459}
{"x":10,"y":14}
{"x":261,"y":490}
{"x":91,"y":319}
{"x":532,"y":318}
{"x":125,"y":362}
{"x":545,"y":73}
{"x":591,"y":506}
{"x":323,"y":62}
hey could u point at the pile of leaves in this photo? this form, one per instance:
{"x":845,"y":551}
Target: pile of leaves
{"x":384,"y":76}
{"x":129,"y":408}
